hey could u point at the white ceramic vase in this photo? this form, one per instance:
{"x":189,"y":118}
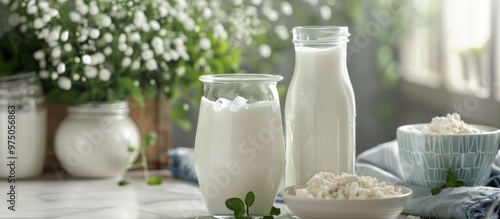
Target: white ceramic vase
{"x":94,"y":139}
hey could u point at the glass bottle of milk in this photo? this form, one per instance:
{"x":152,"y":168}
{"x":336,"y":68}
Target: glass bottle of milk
{"x":320,"y":109}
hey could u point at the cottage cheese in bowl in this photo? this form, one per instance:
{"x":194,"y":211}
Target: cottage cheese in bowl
{"x":346,"y":186}
{"x":327,"y":195}
{"x":449,"y":124}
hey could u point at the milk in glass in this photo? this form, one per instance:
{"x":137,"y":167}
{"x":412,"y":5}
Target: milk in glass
{"x":239,"y":148}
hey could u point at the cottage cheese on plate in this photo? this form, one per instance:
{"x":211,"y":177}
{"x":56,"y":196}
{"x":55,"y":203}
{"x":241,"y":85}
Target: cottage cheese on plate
{"x":449,"y":124}
{"x":346,"y":186}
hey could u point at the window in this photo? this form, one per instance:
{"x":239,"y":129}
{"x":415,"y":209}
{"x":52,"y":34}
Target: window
{"x":457,"y":47}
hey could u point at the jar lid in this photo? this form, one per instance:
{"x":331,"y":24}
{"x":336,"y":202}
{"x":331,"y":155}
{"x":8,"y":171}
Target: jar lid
{"x":120,"y":107}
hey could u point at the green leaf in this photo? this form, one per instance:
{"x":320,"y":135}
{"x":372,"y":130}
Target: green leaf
{"x":450,"y":177}
{"x":234,"y":204}
{"x":149,"y":139}
{"x":268,"y":217}
{"x":130,"y":149}
{"x":238,"y":213}
{"x":249,"y":199}
{"x":459,"y":183}
{"x":435,"y":191}
{"x":275,"y":211}
{"x":155,"y":180}
{"x":123,"y":183}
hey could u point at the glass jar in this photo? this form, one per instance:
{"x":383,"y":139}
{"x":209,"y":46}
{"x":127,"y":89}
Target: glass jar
{"x":95,"y":138}
{"x":239,"y":143}
{"x":320,"y":108}
{"x":23,"y":126}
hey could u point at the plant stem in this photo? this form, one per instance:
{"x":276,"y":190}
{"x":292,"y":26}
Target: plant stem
{"x":144,"y":161}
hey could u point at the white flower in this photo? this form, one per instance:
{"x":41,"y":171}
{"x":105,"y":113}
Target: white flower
{"x":44,"y":74}
{"x":265,"y":51}
{"x":181,"y":71}
{"x":84,"y":79}
{"x":104,"y":74}
{"x":205,"y":43}
{"x":56,"y":52}
{"x":136,"y":83}
{"x":64,"y":83}
{"x":256,"y":2}
{"x":107,"y":51}
{"x":157,"y":44}
{"x":90,"y":71}
{"x":76,"y":77}
{"x":207,"y":12}
{"x":75,"y":17}
{"x":86,"y":59}
{"x":129,"y":51}
{"x":154,"y":25}
{"x":64,"y":36}
{"x":134,"y":37}
{"x":286,"y":8}
{"x":39,"y":55}
{"x":135,"y":65}
{"x":126,"y":62}
{"x":31,"y":9}
{"x":326,"y":12}
{"x":167,"y":57}
{"x":77,"y":59}
{"x":93,"y":9}
{"x":151,"y":65}
{"x":107,"y":37}
{"x":139,"y":18}
{"x":67,"y":47}
{"x":185,"y":107}
{"x":94,"y":33}
{"x":122,"y":38}
{"x":105,"y":20}
{"x":98,"y":58}
{"x":43,"y":5}
{"x":175,"y":55}
{"x":152,"y":82}
{"x":162,"y":32}
{"x":189,"y":25}
{"x":147,"y":54}
{"x":61,"y":68}
{"x":38,"y":23}
{"x":220,"y":32}
{"x":122,"y":47}
{"x":54,"y":75}
{"x":281,"y":31}
{"x":81,"y":7}
{"x":163,"y":11}
{"x":54,"y":34}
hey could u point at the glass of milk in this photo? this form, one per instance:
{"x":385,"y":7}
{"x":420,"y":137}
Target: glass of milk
{"x":239,"y":141}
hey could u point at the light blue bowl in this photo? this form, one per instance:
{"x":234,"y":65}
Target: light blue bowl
{"x":425,"y":158}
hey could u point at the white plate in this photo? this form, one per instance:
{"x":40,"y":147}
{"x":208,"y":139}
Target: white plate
{"x":308,"y":208}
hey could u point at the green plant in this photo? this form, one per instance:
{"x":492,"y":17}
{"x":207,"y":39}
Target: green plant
{"x":241,"y":208}
{"x":451,"y":181}
{"x":147,"y":140}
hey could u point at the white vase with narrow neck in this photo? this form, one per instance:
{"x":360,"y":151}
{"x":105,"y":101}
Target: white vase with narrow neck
{"x":320,"y":108}
{"x":94,"y":139}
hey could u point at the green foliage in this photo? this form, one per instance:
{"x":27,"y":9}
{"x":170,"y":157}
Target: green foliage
{"x":240,"y":208}
{"x":451,"y":181}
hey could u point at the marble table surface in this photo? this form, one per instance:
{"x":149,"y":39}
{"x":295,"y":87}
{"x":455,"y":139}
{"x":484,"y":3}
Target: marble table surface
{"x":55,"y":197}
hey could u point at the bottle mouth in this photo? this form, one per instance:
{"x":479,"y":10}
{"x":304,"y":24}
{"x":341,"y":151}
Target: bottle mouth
{"x":246,"y":78}
{"x":320,"y":34}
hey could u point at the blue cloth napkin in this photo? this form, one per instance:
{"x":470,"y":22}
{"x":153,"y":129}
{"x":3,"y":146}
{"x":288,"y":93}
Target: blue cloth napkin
{"x":182,"y":164}
{"x":383,"y":163}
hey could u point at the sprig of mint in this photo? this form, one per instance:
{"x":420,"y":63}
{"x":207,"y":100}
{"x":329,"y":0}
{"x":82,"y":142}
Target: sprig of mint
{"x":451,"y":181}
{"x":147,"y":140}
{"x":240,"y":208}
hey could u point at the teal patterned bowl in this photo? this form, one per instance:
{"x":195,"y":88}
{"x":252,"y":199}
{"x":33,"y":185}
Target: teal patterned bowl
{"x":426,"y":158}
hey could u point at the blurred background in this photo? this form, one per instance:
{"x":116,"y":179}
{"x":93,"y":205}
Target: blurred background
{"x":408,"y":61}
